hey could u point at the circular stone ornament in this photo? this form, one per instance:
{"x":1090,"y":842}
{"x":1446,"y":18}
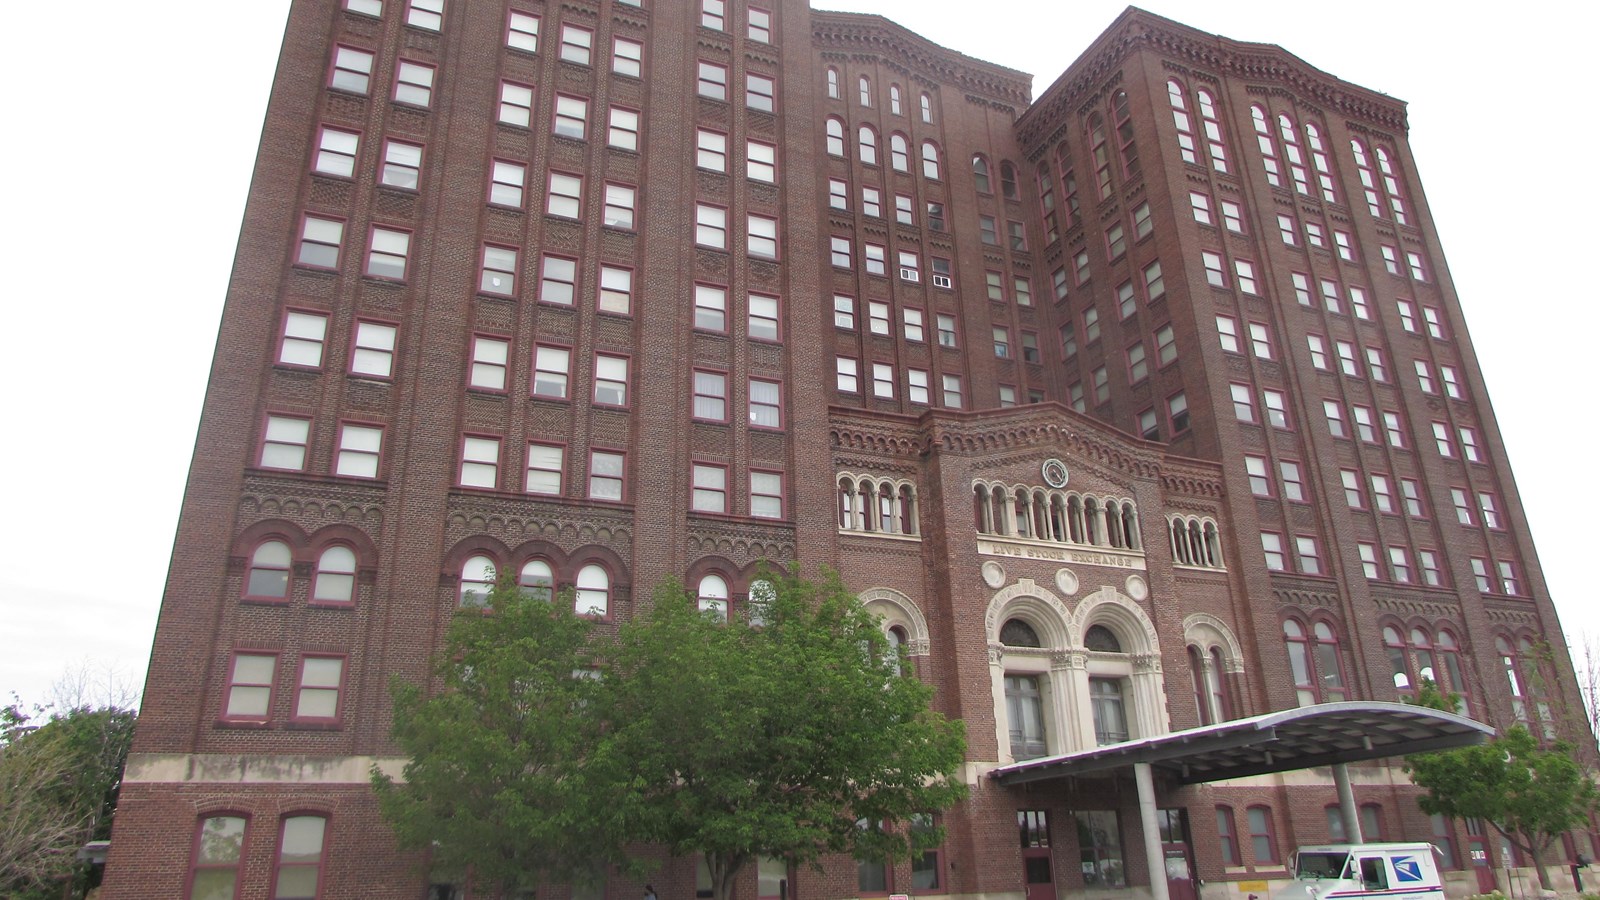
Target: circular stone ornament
{"x":1067,"y":581}
{"x":1137,"y":589}
{"x":1054,"y":472}
{"x":994,"y":574}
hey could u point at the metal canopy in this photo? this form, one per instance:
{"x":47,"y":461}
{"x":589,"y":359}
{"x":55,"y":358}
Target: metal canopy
{"x":1321,"y":735}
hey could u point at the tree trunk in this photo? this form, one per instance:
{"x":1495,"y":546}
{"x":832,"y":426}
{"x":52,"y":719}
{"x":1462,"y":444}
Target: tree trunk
{"x":1536,"y":850}
{"x":724,"y":872}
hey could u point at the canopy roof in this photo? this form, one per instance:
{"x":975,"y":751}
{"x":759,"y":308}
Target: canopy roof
{"x":1303,"y":738}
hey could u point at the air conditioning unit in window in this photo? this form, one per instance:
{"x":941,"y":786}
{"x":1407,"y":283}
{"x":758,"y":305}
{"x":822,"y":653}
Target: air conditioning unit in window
{"x":941,"y":281}
{"x":909,"y":274}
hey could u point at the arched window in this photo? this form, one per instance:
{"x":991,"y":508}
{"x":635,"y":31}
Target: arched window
{"x":1454,"y":679}
{"x":1101,"y":155}
{"x":980,"y":175}
{"x":864,"y":87}
{"x":1101,"y":639}
{"x":299,"y":857}
{"x":894,"y":99}
{"x":847,"y":505}
{"x":1391,"y":186}
{"x":927,"y":108}
{"x":1008,"y":180}
{"x":477,"y":579}
{"x":1213,"y":130}
{"x":833,"y":83}
{"x":1422,"y":652}
{"x":869,"y":145}
{"x":1125,"y":144}
{"x":218,"y":851}
{"x":1017,"y":633}
{"x":713,"y":596}
{"x":1197,"y":678}
{"x":1319,"y":162}
{"x":1069,"y":183}
{"x":908,"y":510}
{"x":899,"y":153}
{"x":1219,"y":685}
{"x":1395,"y":648}
{"x":1291,"y":151}
{"x":897,"y":644}
{"x":1110,"y":716}
{"x":1269,"y":148}
{"x":1047,"y":204}
{"x":594,"y":591}
{"x":1180,"y":116}
{"x":336,"y":576}
{"x":1314,"y":662}
{"x":930,"y":160}
{"x":536,"y":580}
{"x":1263,"y":837}
{"x":835,"y":137}
{"x":268,"y":577}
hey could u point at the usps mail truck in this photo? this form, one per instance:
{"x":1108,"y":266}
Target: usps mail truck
{"x":1364,"y":872}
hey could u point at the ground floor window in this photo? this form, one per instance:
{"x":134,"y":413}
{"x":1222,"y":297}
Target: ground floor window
{"x":1100,"y":849}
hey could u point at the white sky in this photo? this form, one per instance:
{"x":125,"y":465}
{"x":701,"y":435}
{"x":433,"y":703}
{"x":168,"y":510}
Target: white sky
{"x":129,"y":152}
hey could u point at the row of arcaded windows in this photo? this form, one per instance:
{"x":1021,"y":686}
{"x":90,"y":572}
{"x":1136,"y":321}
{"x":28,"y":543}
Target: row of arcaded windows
{"x":1059,"y":516}
{"x":877,"y":505}
{"x":865,"y":95}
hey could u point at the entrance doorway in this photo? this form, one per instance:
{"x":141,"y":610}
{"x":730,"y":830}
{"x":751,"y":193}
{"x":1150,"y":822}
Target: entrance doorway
{"x":1479,"y":857}
{"x":1174,"y":825}
{"x":1033,"y":827}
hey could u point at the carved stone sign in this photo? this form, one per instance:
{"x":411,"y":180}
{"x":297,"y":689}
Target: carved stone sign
{"x":1111,"y":559}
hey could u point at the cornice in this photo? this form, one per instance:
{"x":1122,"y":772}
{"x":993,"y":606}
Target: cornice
{"x":872,"y":35}
{"x":1137,"y":30}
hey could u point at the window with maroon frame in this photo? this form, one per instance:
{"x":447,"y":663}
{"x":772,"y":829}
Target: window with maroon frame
{"x":1263,"y":837}
{"x":268,"y":575}
{"x":335,"y":580}
{"x":300,"y":846}
{"x":1227,"y":839}
{"x":218,"y":851}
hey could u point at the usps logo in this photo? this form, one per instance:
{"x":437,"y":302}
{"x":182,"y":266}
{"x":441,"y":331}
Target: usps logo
{"x":1407,"y":869}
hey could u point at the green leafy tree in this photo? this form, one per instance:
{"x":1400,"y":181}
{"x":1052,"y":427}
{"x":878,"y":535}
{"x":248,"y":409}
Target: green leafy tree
{"x":497,"y":786}
{"x":58,"y":789}
{"x":1528,"y":792}
{"x":779,"y":735}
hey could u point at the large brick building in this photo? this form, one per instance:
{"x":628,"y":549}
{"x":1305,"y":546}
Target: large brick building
{"x":1140,"y":407}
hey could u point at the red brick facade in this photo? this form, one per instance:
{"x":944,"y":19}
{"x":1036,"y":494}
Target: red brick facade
{"x":493,"y":248}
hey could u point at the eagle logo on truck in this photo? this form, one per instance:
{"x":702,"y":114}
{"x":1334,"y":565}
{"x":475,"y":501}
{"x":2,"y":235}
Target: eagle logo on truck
{"x":1406,"y":869}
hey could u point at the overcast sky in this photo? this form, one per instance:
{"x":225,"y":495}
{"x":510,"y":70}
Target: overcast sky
{"x":132,"y":131}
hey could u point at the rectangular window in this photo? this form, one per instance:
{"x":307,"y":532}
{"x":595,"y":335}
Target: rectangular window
{"x":1441,"y":440}
{"x":936,"y":219}
{"x":619,"y":206}
{"x":1116,"y":242}
{"x":1201,"y":205}
{"x":402,"y":165}
{"x":1411,"y":492}
{"x":1424,"y":376}
{"x":1391,"y":259}
{"x":838,"y":194}
{"x":1435,"y":322}
{"x":1480,"y":574}
{"x":878,"y":317}
{"x":1002,"y":341}
{"x":425,"y":14}
{"x":1469,"y":444}
{"x":1080,"y":267}
{"x":1138,"y":365}
{"x":1358,"y":303}
{"x":610,"y":380}
{"x":250,"y":686}
{"x":1352,"y":489}
{"x":319,"y":243}
{"x":1302,"y":288}
{"x":506,"y":182}
{"x":1215,"y":276}
{"x":360,"y":447}
{"x":565,"y":195}
{"x":710,"y":308}
{"x":1428,"y":562}
{"x":551,"y":367}
{"x":1232,"y":218}
{"x":303,"y":336}
{"x":1272,"y":549}
{"x":1255,"y":469}
{"x":766,"y":494}
{"x":1375,"y":366}
{"x":871,"y":202}
{"x":605,"y":475}
{"x":1178,"y":412}
{"x":1319,"y":351}
{"x":761,"y":162}
{"x":758,"y":25}
{"x":321,"y":678}
{"x":847,"y":374}
{"x":1228,"y":333}
{"x":283,"y":443}
{"x":1458,"y":498}
{"x":1452,"y":385}
{"x":413,"y":83}
{"x":917,"y":386}
{"x":1508,"y":579}
{"x":912,"y":322}
{"x":883,"y":381}
{"x":947,"y":330}
{"x":713,"y":14}
{"x":1228,"y":841}
{"x":1369,"y":560}
{"x":616,"y":290}
{"x":1286,"y":230}
{"x":522,"y":32}
{"x":710,"y":488}
{"x":876,"y":257}
{"x":1023,"y":289}
{"x":1260,"y":341}
{"x":1277,"y":406}
{"x":1335,"y":415}
{"x":711,"y":150}
{"x":516,"y":104}
{"x":1306,"y":553}
{"x":1314,"y":235}
{"x":544,"y":468}
{"x":1408,"y":315}
{"x":710,"y":396}
{"x":627,"y":57}
{"x":499,"y":272}
{"x":1399,"y":565}
{"x":558,"y":281}
{"x":1293,"y":487}
{"x":336,"y":152}
{"x":760,"y":92}
{"x":761,"y":236}
{"x":952,"y":391}
{"x":1341,"y":240}
{"x":1126,"y":305}
{"x":1246,"y":273}
{"x":1102,"y":385}
{"x":1392,"y":430}
{"x":1018,"y":234}
{"x":1142,"y":223}
{"x":1166,"y":345}
{"x":490,"y":357}
{"x":352,"y":70}
{"x":1155,"y":286}
{"x":1243,"y":404}
{"x":1365,"y":430}
{"x":766,"y":406}
{"x":480,"y":462}
{"x":1382,"y":497}
{"x":386,"y":256}
{"x":1030,"y":347}
{"x":1347,"y":358}
{"x":711,"y":226}
{"x":622,"y":130}
{"x":1414,"y":262}
{"x":844,"y":312}
{"x":1491,"y":514}
{"x":576,"y":44}
{"x":1330,"y":296}
{"x":572,"y":117}
{"x":763,"y":317}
